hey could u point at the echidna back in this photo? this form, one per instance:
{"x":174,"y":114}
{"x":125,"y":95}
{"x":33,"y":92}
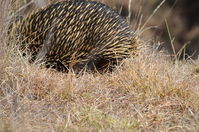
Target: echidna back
{"x":76,"y":33}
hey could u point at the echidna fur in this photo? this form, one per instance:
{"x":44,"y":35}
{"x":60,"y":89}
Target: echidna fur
{"x":76,"y":34}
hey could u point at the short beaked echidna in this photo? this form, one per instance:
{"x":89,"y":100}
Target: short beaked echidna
{"x":76,"y":34}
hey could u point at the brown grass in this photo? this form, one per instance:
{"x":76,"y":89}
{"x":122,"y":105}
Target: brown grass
{"x":146,"y":93}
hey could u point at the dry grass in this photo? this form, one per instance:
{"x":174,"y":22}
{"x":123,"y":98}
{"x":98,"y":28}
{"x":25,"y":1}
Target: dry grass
{"x":146,"y":93}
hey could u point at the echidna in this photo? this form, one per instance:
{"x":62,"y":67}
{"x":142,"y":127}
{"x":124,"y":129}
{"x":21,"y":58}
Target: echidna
{"x":76,"y":34}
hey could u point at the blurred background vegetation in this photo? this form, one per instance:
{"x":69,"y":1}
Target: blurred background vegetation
{"x":175,"y":22}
